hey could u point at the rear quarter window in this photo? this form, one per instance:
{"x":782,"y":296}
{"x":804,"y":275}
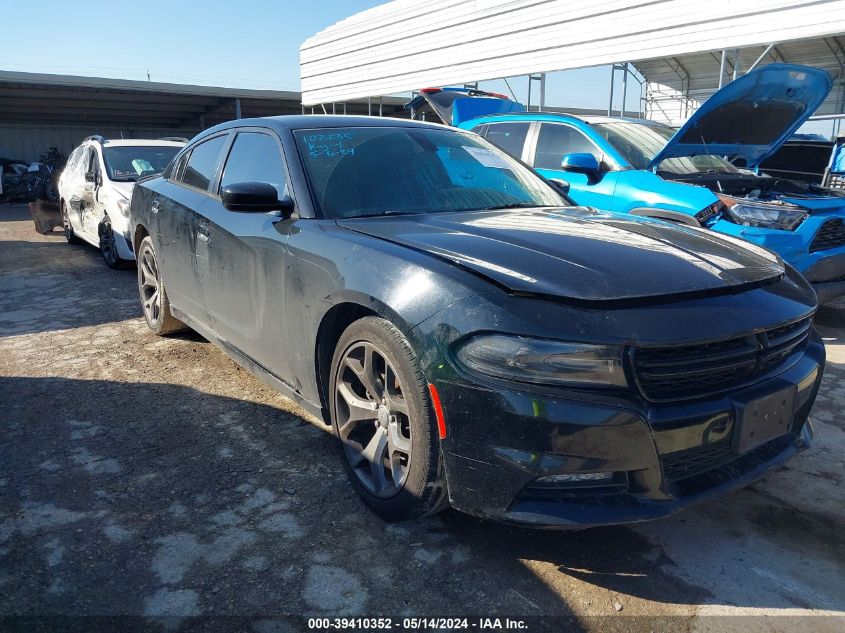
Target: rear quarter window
{"x":508,"y":136}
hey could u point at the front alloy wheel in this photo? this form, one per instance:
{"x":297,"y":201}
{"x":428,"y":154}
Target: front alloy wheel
{"x":372,"y":417}
{"x":108,"y":247}
{"x":382,"y":416}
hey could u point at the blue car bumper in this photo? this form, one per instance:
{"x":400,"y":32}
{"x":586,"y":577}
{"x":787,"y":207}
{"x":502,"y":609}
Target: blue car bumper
{"x":823,"y":266}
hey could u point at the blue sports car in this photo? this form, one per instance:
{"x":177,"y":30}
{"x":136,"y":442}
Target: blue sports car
{"x":648,"y":169}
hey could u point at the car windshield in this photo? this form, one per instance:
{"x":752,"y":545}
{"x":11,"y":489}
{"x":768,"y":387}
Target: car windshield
{"x":125,"y":163}
{"x":370,"y":171}
{"x":639,"y":143}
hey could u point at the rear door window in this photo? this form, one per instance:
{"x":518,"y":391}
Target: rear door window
{"x":508,"y":136}
{"x":202,"y":163}
{"x":255,"y":157}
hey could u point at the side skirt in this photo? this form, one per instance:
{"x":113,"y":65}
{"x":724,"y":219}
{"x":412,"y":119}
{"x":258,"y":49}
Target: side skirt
{"x":253,"y":366}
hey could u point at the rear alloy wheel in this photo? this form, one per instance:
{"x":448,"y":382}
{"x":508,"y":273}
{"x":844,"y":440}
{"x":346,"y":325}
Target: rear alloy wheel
{"x":108,"y":247}
{"x":383,"y":419}
{"x":154,"y":300}
{"x":70,"y":235}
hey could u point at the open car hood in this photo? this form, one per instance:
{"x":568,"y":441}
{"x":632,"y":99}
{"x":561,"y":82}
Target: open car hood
{"x":752,"y":116}
{"x":579,"y":254}
{"x":453,"y":106}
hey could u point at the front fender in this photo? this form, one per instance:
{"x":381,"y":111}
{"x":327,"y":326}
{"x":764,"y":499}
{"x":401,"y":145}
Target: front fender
{"x":333,"y":272}
{"x":639,"y":189}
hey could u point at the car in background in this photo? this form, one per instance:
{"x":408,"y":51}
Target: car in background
{"x":470,"y":337}
{"x":453,"y":105}
{"x":648,"y":169}
{"x":20,"y":180}
{"x":803,"y":158}
{"x":96,"y":185}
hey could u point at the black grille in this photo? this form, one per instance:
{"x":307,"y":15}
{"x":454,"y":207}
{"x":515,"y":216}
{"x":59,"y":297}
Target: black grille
{"x":731,"y":468}
{"x":831,"y":235}
{"x":688,"y":463}
{"x":671,"y":373}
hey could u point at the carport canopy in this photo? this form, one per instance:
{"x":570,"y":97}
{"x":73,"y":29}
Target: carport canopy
{"x":676,"y":46}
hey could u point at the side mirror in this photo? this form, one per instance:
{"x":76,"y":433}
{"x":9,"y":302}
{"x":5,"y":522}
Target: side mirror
{"x":255,"y":197}
{"x":581,"y":163}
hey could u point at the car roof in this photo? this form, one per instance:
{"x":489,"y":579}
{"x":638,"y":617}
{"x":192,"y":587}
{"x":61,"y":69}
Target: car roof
{"x":138,"y":142}
{"x":319,"y":121}
{"x":552,"y":116}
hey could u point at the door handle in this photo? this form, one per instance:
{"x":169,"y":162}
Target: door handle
{"x":154,"y":206}
{"x":202,"y":232}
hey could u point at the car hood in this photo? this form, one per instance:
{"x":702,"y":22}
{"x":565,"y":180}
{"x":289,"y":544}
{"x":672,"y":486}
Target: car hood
{"x":752,"y":116}
{"x":579,"y":254}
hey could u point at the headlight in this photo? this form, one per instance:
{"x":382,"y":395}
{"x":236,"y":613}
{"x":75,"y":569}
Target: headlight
{"x":768,"y":216}
{"x":543,"y":362}
{"x":123,"y":207}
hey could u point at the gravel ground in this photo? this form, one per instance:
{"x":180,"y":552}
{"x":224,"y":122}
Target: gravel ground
{"x":152,"y":476}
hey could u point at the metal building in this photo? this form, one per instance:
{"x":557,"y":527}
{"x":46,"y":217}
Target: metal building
{"x":38,"y":111}
{"x":682,"y":50}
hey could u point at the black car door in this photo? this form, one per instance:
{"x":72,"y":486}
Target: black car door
{"x":176,"y":210}
{"x":243,"y":275}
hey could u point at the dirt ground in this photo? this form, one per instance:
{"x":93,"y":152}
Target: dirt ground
{"x":152,"y":476}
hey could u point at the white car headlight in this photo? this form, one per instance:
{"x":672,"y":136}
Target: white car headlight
{"x":123,"y":207}
{"x":768,"y":216}
{"x":543,"y":362}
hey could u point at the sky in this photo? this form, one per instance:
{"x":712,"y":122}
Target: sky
{"x":243,"y":44}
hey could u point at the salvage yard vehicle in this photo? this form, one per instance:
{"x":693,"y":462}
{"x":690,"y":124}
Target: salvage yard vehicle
{"x":648,"y":169}
{"x":96,"y":185}
{"x":25,"y":181}
{"x":470,"y":337}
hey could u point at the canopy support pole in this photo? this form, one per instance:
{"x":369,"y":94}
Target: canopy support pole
{"x":722,"y":69}
{"x":624,"y":86}
{"x":542,"y":91}
{"x":612,"y":77}
{"x":759,"y":59}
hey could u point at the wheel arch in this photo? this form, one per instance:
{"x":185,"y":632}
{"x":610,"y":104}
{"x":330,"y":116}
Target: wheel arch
{"x":665,"y":214}
{"x":332,"y":326}
{"x":138,"y":235}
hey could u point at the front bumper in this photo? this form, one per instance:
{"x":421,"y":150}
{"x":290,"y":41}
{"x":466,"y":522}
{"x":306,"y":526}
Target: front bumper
{"x":669,"y":455}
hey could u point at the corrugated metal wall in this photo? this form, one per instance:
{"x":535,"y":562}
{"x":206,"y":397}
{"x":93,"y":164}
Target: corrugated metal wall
{"x":406,"y":44}
{"x":27,"y":142}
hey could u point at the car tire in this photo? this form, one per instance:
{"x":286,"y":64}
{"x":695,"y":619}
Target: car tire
{"x":108,"y":247}
{"x":70,"y":235}
{"x":154,"y":301}
{"x":395,"y":424}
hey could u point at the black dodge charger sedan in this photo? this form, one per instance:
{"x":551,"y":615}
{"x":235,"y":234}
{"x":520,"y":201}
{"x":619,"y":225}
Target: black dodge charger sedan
{"x":470,"y":337}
